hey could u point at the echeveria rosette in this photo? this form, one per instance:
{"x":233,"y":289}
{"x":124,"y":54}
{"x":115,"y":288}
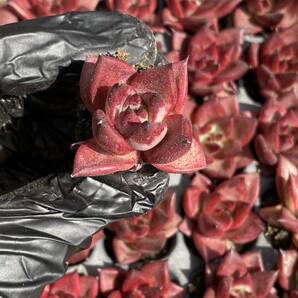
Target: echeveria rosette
{"x":239,"y":276}
{"x":152,"y":280}
{"x":145,"y":235}
{"x":219,"y":217}
{"x":225,"y":135}
{"x":256,"y":16}
{"x":214,"y":61}
{"x":73,"y":285}
{"x":193,"y":14}
{"x":136,"y":114}
{"x":141,"y":9}
{"x":288,"y":272}
{"x":31,"y":9}
{"x":276,"y":63}
{"x":285,"y":214}
{"x":278,"y":130}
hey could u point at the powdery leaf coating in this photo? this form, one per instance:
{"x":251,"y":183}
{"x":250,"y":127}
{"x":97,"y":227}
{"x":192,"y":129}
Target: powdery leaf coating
{"x":136,"y":112}
{"x":217,"y":217}
{"x":90,"y":161}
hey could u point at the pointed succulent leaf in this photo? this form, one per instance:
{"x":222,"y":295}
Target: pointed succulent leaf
{"x":90,"y":161}
{"x":97,"y":79}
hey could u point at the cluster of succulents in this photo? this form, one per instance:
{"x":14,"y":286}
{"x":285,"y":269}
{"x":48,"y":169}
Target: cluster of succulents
{"x":186,"y":117}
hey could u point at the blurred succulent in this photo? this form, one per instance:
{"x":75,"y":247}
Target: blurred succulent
{"x":136,"y":113}
{"x":73,"y":285}
{"x":219,"y":217}
{"x":141,"y":9}
{"x":151,"y":281}
{"x":256,"y":16}
{"x":83,"y":254}
{"x":193,"y":14}
{"x":240,"y":276}
{"x":278,"y":130}
{"x":288,"y":272}
{"x":15,"y":10}
{"x":285,"y":214}
{"x":276,"y":63}
{"x":214,"y":61}
{"x":145,"y":235}
{"x":225,"y":134}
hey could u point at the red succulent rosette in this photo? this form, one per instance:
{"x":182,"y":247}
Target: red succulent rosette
{"x":141,"y":9}
{"x":238,"y":276}
{"x":73,"y":285}
{"x":288,"y":272}
{"x":151,"y":281}
{"x":7,"y":15}
{"x":255,"y":16}
{"x":276,"y":63}
{"x":31,"y":9}
{"x":218,"y":217}
{"x":285,"y":214}
{"x":278,"y":128}
{"x":225,"y":135}
{"x":193,"y":14}
{"x":84,"y":254}
{"x":136,"y":114}
{"x":214,"y":61}
{"x":146,"y":235}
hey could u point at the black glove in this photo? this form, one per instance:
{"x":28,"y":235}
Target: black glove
{"x":45,"y":215}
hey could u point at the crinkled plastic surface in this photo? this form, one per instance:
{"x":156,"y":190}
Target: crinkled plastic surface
{"x":45,"y":215}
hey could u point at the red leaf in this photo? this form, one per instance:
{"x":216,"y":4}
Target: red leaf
{"x":107,"y":138}
{"x":193,"y":160}
{"x":176,"y":143}
{"x":287,"y":263}
{"x":89,"y":161}
{"x":147,"y":135}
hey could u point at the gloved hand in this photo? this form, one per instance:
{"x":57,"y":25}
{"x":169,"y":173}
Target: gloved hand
{"x":45,"y":215}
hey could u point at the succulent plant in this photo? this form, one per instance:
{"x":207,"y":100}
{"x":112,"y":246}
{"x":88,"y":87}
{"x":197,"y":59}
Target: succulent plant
{"x":275,"y":62}
{"x":145,"y":235}
{"x":214,"y":61}
{"x":287,"y":272}
{"x":15,"y":10}
{"x":255,"y":16}
{"x":277,"y":136}
{"x":136,"y":113}
{"x":73,"y":285}
{"x":225,"y":134}
{"x":193,"y":14}
{"x":239,"y":276}
{"x":141,"y":9}
{"x":219,"y":217}
{"x":151,"y":281}
{"x":285,"y":214}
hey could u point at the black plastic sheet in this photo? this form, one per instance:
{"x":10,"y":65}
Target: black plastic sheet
{"x":45,"y":215}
